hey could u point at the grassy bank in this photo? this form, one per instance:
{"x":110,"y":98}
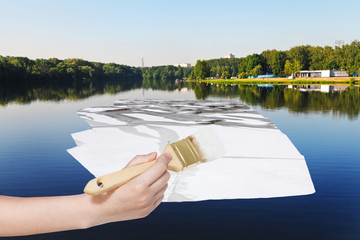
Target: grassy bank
{"x":286,"y":81}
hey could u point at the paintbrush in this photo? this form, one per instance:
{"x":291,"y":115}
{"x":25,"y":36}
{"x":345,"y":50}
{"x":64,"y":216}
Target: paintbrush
{"x":202,"y":146}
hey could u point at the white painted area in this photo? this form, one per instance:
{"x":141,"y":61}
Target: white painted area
{"x":98,"y":109}
{"x":259,"y":162}
{"x":254,"y":178}
{"x":93,"y":117}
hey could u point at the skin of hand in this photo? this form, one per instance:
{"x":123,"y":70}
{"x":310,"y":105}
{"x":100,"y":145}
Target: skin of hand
{"x":139,"y":197}
{"x":135,"y":199}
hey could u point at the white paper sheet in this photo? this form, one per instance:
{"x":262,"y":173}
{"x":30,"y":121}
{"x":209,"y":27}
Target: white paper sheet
{"x":260,"y":161}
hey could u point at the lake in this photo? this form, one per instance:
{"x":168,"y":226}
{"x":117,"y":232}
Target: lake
{"x":323,"y":123}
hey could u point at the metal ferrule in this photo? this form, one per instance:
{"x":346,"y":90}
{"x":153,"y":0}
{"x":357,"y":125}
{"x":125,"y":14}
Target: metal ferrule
{"x":186,"y":152}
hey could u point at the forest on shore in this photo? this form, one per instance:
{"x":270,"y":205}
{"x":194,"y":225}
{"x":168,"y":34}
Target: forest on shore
{"x":283,"y":63}
{"x":23,"y":79}
{"x":22,"y":70}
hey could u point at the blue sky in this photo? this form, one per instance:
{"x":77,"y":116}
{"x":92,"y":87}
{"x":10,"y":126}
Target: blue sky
{"x":170,"y":32}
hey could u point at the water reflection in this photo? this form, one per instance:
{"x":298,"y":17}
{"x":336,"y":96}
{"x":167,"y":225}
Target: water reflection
{"x":340,"y":100}
{"x":71,"y":90}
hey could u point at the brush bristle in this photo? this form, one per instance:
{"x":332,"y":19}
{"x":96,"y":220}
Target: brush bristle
{"x":208,"y":144}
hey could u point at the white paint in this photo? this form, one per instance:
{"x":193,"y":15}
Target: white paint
{"x":259,"y":161}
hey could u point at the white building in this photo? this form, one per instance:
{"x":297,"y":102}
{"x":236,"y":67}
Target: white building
{"x":230,"y":55}
{"x":323,"y":73}
{"x":341,"y":73}
{"x":183,"y":65}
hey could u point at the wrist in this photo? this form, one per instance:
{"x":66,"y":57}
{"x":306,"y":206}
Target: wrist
{"x":92,"y":213}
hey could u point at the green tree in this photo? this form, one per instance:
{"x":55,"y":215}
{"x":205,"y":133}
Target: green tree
{"x":243,"y":75}
{"x":317,"y":58}
{"x":257,"y":70}
{"x":179,"y":73}
{"x":253,"y":61}
{"x":291,"y":67}
{"x":352,"y":57}
{"x":269,"y":57}
{"x":226,"y":75}
{"x":192,"y":75}
{"x":278,"y":62}
{"x":301,"y":54}
{"x":201,"y":69}
{"x":218,"y":66}
{"x":332,"y":65}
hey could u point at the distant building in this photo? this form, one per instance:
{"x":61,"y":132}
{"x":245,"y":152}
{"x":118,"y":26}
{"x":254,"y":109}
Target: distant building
{"x":183,"y":65}
{"x":142,"y":62}
{"x":230,"y":55}
{"x":340,"y":73}
{"x":323,"y":73}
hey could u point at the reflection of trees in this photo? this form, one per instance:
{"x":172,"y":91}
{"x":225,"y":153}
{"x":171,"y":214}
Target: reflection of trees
{"x":201,"y":90}
{"x":347,"y":102}
{"x":339,"y":102}
{"x":28,"y":93}
{"x":23,"y":87}
{"x":344,"y":103}
{"x":158,"y":84}
{"x":223,"y":91}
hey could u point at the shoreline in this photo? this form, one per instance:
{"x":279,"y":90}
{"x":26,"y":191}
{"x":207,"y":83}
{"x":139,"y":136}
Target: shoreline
{"x":354,"y":81}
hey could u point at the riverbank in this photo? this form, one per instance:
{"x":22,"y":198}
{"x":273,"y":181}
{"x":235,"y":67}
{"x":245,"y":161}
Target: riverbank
{"x":285,"y":81}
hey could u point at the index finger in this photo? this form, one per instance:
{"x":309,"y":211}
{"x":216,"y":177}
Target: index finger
{"x":155,"y":171}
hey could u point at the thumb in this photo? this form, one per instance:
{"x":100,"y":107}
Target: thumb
{"x":138,"y":159}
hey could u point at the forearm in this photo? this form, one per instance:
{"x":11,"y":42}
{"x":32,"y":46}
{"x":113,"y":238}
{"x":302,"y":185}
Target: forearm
{"x":25,"y":216}
{"x":135,"y":199}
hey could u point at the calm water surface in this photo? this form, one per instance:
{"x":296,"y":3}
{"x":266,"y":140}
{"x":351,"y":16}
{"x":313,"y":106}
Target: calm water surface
{"x":34,"y":162}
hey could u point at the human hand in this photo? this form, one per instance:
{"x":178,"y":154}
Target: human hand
{"x":137,"y":198}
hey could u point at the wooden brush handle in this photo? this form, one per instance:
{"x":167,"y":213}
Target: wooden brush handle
{"x":116,"y":179}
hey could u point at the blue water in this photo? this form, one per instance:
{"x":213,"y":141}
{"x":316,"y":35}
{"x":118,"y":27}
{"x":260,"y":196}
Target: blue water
{"x":34,"y":162}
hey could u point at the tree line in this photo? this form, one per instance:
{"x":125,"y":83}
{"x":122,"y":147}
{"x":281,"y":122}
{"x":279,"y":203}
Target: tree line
{"x":282,"y":63}
{"x":23,"y":79}
{"x":75,"y":76}
{"x":21,"y":76}
{"x":163,"y":77}
{"x":16,"y":70}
